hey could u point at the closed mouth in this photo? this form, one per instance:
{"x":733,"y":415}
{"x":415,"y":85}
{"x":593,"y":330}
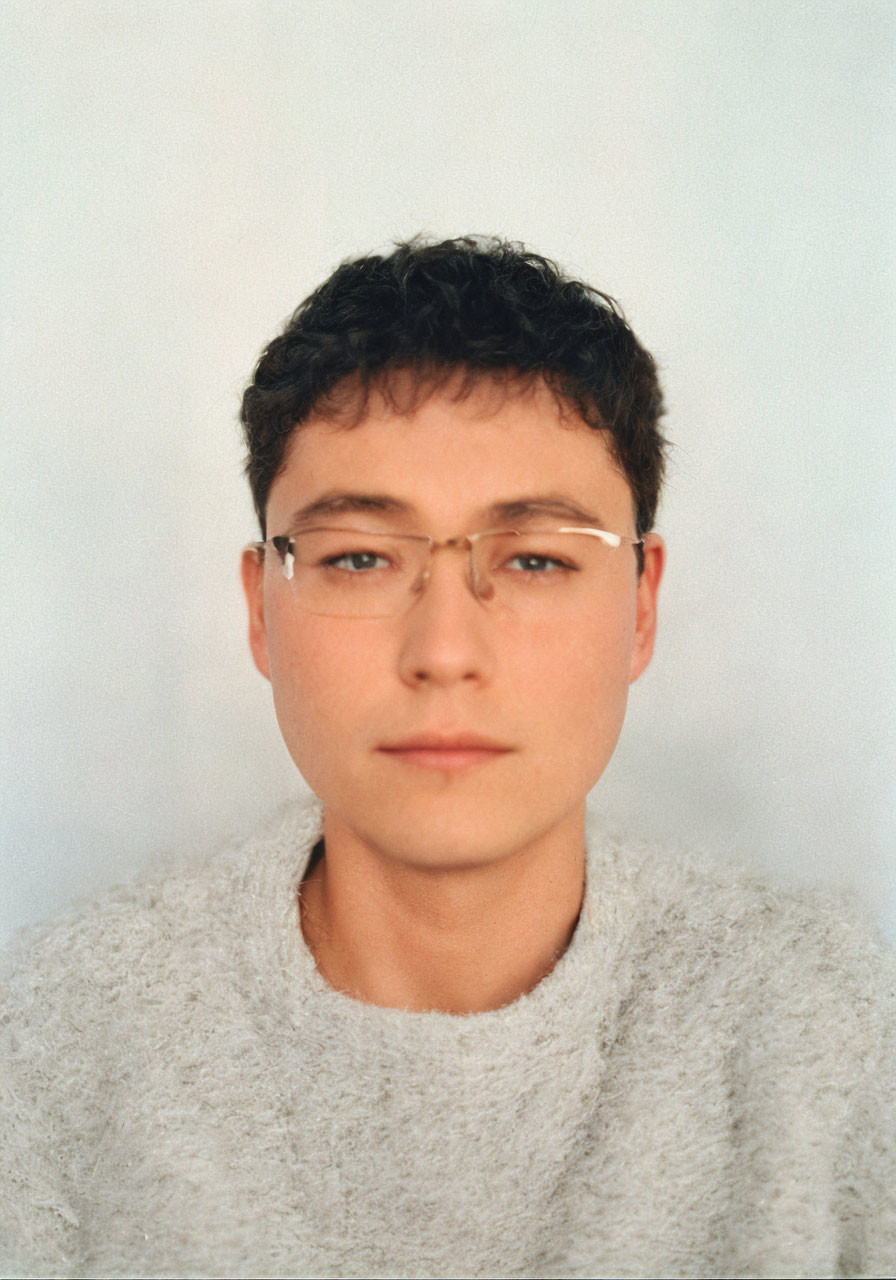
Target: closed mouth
{"x":456,"y":751}
{"x":446,"y":742}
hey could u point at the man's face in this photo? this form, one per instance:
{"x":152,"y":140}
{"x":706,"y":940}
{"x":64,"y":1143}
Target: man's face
{"x":351,"y":693}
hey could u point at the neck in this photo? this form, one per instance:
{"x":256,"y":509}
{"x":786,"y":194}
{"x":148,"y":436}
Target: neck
{"x":453,"y":940}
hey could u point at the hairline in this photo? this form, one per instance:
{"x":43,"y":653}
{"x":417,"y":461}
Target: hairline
{"x":358,"y":386}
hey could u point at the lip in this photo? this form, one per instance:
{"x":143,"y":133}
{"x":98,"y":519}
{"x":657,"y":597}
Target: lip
{"x":447,"y":752}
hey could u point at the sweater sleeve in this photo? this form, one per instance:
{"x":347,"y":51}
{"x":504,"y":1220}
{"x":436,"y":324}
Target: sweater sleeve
{"x":38,"y":1223}
{"x":827,"y":1085}
{"x":806,"y":1000}
{"x":866,"y":1186}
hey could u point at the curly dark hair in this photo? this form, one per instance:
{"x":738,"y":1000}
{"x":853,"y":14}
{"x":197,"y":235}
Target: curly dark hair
{"x":476,"y":305}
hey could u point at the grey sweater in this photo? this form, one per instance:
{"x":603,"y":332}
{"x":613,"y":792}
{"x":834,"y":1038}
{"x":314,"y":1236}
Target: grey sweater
{"x":703,"y":1086}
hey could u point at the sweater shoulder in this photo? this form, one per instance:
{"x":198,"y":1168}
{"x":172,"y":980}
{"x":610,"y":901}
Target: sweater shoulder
{"x":776,"y":1005}
{"x":125,"y":936}
{"x":154,"y":934}
{"x":97,"y":1007}
{"x":710,"y":934}
{"x":689,"y":893}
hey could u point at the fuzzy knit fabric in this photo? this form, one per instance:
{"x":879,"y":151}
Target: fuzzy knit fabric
{"x":703,"y":1086}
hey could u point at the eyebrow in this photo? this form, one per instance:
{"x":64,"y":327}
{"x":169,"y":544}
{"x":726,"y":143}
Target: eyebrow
{"x":346,"y":503}
{"x":514,"y":511}
{"x":521,"y":510}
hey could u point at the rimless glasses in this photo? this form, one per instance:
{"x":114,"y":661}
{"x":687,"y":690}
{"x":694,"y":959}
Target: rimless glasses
{"x":359,"y":573}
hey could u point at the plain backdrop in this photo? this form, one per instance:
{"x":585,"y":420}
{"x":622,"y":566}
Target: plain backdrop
{"x":179,"y":175}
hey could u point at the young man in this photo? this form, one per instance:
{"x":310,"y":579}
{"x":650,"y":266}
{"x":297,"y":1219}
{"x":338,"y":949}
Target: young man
{"x":427,"y":1028}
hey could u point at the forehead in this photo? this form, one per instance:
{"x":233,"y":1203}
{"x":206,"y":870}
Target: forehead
{"x":450,"y":458}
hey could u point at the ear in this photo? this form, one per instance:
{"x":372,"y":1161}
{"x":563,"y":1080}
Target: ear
{"x":252,"y":569}
{"x":645,"y":608}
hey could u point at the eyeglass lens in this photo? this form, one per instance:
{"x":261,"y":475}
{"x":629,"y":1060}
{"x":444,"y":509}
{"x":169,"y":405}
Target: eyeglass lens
{"x":344,"y":573}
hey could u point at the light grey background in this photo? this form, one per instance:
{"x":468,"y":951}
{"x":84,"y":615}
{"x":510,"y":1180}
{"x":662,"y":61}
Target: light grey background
{"x":179,"y":175}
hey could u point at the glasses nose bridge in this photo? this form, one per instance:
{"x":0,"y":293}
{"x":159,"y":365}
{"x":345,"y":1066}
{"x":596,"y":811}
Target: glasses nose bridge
{"x":463,"y":543}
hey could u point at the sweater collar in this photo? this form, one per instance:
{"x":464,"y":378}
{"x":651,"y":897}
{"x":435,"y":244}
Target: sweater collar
{"x":584,"y":978}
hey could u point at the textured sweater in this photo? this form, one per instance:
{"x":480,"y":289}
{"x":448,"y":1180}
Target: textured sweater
{"x":702,"y":1086}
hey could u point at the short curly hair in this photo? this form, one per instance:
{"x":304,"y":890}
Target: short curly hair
{"x":478,"y":305}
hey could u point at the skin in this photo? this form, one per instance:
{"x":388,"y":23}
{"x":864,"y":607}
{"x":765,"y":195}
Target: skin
{"x":451,"y":888}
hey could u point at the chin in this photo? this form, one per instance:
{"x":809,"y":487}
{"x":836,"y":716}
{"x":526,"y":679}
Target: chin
{"x":452,"y":832}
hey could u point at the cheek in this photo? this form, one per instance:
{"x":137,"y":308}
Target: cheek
{"x":594,"y":687}
{"x":590,"y":655}
{"x":576,"y":685}
{"x":322,"y":675}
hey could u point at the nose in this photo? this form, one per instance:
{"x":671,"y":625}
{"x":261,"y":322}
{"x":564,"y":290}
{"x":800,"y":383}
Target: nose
{"x":447,"y":631}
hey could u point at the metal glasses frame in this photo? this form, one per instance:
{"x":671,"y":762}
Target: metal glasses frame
{"x":284,"y":545}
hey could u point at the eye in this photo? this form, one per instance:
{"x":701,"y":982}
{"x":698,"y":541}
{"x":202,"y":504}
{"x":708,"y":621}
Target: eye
{"x":356,"y":562}
{"x":532,"y":562}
